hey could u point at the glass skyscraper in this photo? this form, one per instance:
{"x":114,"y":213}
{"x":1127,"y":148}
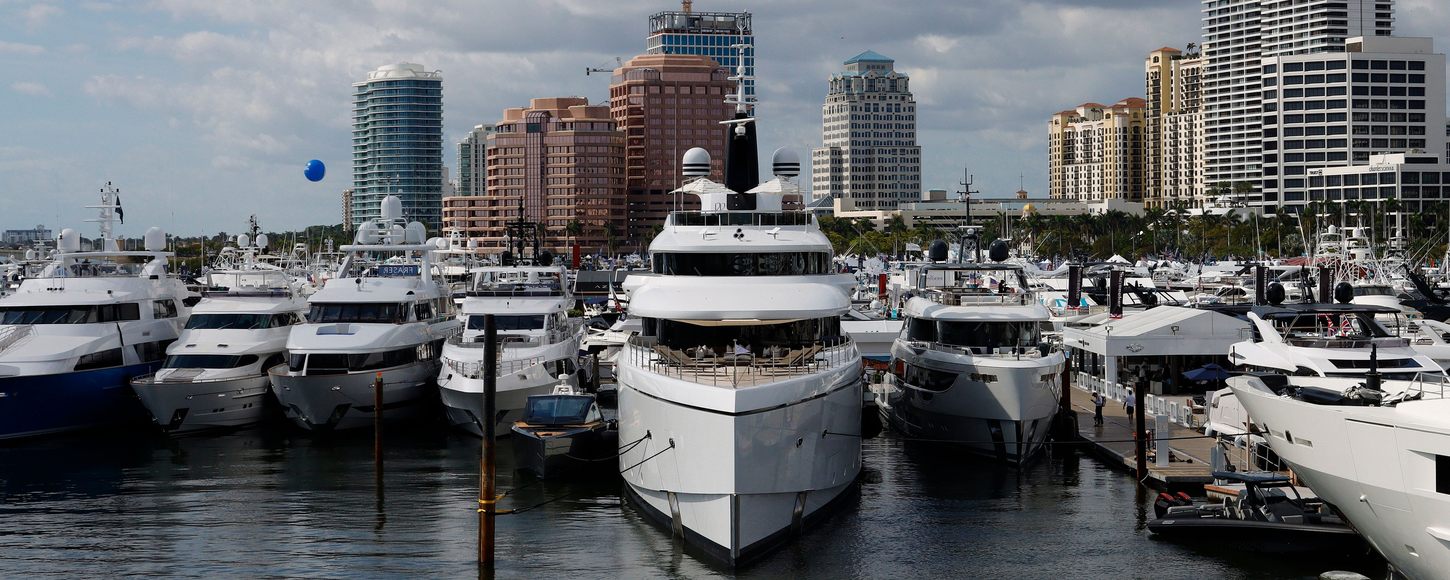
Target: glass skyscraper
{"x":397,"y":143}
{"x":706,"y":34}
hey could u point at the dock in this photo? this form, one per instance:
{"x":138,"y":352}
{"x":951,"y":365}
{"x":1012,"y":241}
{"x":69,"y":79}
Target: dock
{"x":1114,"y":442}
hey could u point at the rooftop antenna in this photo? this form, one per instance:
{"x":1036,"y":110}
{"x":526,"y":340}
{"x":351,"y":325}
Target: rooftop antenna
{"x":110,"y":211}
{"x":966,"y":193}
{"x":742,"y":171}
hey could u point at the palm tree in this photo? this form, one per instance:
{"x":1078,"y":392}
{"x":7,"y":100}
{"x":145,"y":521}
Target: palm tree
{"x":573,"y":229}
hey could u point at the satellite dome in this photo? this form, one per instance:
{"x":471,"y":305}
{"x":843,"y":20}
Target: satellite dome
{"x":243,"y":240}
{"x":155,"y":239}
{"x":262,"y":241}
{"x":392,"y":208}
{"x":786,"y":163}
{"x":69,"y":241}
{"x":696,"y":163}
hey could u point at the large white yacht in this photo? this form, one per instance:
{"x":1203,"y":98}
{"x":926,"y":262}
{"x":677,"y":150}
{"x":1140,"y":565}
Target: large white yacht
{"x":1327,"y":340}
{"x":382,"y":315}
{"x":971,"y":365}
{"x":215,"y":374}
{"x":72,"y":337}
{"x":1382,"y":457}
{"x":740,"y":402}
{"x":538,"y":344}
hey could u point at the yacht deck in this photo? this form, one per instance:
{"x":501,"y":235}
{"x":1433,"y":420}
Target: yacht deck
{"x":745,"y":370}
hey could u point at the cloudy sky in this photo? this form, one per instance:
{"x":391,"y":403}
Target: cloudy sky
{"x":204,"y":111}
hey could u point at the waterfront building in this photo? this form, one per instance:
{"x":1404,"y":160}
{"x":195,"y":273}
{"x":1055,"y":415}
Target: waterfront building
{"x":1174,"y":128}
{"x":397,"y":143}
{"x":868,"y":159}
{"x":347,"y":210}
{"x":473,"y":161}
{"x":709,"y":34}
{"x":1416,"y":183}
{"x":666,"y":104}
{"x":1237,"y":35}
{"x":559,"y":160}
{"x":26,"y":237}
{"x":1096,"y":152}
{"x":1382,"y":95}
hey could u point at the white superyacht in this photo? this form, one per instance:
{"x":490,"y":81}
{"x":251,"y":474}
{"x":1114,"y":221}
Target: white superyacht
{"x":740,"y":402}
{"x":538,"y":343}
{"x":971,"y":366}
{"x":73,"y":336}
{"x":215,"y":374}
{"x":383,"y":315}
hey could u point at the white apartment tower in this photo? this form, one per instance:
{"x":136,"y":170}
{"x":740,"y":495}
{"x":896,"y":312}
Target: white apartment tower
{"x":868,"y":159}
{"x":1332,"y":109}
{"x":1237,"y":35}
{"x":1174,"y":128}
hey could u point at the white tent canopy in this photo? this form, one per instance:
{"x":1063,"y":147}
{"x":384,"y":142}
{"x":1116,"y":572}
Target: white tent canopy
{"x":1161,"y":331}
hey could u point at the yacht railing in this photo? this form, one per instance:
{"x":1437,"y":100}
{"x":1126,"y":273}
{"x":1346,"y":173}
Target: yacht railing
{"x":697,"y":218}
{"x":150,"y":379}
{"x":1425,"y":384}
{"x":1003,"y":352}
{"x":954,"y":296}
{"x":744,"y":370}
{"x":12,"y":334}
{"x":474,"y":369}
{"x":1345,"y":342}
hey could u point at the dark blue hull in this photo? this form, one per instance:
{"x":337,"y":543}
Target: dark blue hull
{"x":39,"y":405}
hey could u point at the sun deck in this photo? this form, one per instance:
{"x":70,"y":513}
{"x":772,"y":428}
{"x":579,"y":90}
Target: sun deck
{"x":741,"y":370}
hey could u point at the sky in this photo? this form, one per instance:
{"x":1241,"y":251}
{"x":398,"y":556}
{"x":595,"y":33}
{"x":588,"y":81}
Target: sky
{"x":203,"y":112}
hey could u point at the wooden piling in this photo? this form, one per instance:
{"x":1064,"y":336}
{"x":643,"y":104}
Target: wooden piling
{"x":487,"y":495}
{"x":1140,"y":429}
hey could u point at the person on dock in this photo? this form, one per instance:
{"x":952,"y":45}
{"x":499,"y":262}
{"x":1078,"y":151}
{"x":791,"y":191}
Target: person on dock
{"x":1129,"y":402}
{"x":1098,"y":401}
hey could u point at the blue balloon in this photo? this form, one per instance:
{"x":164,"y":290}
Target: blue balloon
{"x":315,"y":170}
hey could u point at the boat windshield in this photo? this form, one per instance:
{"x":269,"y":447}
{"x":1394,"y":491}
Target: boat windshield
{"x":742,"y":264}
{"x":558,"y":409}
{"x":1327,"y":325}
{"x":362,"y":312}
{"x":70,"y":314}
{"x":209,"y":361}
{"x":509,"y":322}
{"x":237,"y":321}
{"x":987,"y":335}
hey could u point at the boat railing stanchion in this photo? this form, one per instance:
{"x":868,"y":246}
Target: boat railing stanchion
{"x":487,"y":497}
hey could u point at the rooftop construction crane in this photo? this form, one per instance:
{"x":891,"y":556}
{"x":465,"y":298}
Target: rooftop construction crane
{"x":589,"y":70}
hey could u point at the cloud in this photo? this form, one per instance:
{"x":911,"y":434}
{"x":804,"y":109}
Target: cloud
{"x":20,"y":48}
{"x":36,"y":15}
{"x":30,"y":88}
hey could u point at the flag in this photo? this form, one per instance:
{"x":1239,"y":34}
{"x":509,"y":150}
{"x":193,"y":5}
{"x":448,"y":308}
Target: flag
{"x":120,"y":213}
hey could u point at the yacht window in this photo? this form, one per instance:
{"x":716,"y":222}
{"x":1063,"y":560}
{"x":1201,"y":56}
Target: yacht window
{"x":509,"y":322}
{"x":120,"y":312}
{"x":771,"y":340}
{"x":209,"y":361}
{"x":328,"y":363}
{"x":927,"y":379}
{"x":361,"y":312}
{"x":1442,"y":474}
{"x":742,"y":264}
{"x":233,"y":321}
{"x":295,"y":362}
{"x":49,"y":315}
{"x":976,"y":334}
{"x":163,"y":309}
{"x":424,"y":311}
{"x":153,"y":351}
{"x":1318,"y":325}
{"x":100,"y":360}
{"x":920,"y":329}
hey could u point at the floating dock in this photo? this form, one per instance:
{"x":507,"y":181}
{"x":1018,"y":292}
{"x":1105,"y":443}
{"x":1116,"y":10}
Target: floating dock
{"x":1114,"y":442}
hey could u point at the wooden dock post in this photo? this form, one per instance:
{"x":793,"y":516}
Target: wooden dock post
{"x":1140,"y":430}
{"x":487,"y":495}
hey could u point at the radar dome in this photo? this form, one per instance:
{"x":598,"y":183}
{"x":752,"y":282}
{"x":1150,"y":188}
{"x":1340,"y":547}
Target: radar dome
{"x":415,"y":233}
{"x":696,"y":163}
{"x":392,"y":208}
{"x":395,"y":234}
{"x":261,"y":241}
{"x":243,"y":240}
{"x":438,"y":243}
{"x":997,"y":251}
{"x":31,"y":254}
{"x":1343,"y":292}
{"x":1274,"y":293}
{"x":937,"y":252}
{"x":69,"y":241}
{"x":786,"y":163}
{"x":155,"y":239}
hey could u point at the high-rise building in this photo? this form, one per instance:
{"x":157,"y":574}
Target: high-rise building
{"x":347,"y":223}
{"x":473,"y":161}
{"x":1174,"y":128}
{"x":1096,"y":152}
{"x":1237,"y":35}
{"x":666,"y":104}
{"x":397,"y":143}
{"x":709,"y":34}
{"x":868,"y":159}
{"x":559,"y":160}
{"x":1383,"y":95}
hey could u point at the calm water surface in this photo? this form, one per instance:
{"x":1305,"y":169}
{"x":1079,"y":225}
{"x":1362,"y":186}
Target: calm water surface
{"x":273,"y":501}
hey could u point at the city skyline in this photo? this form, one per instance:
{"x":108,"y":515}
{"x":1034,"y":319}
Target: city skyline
{"x":189,"y":107}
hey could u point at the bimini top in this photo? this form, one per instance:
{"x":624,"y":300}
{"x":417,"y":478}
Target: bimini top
{"x":746,"y":298}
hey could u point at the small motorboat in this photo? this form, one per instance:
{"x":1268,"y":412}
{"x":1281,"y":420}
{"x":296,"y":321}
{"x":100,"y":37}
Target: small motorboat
{"x":564,"y":433}
{"x":1268,"y":515}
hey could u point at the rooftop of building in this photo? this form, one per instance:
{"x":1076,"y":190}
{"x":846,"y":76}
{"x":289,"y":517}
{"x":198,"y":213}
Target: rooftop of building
{"x":559,"y":107}
{"x":869,"y":56}
{"x":402,"y":70}
{"x":669,"y":63}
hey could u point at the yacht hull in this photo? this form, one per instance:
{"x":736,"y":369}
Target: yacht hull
{"x":463,"y":397}
{"x":336,"y":402}
{"x":737,"y":484}
{"x":1007,"y":418}
{"x":44,"y":404}
{"x":1379,"y":474}
{"x":185,"y":407}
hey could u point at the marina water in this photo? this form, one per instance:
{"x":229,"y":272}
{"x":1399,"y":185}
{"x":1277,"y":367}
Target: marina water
{"x":274,"y":501}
